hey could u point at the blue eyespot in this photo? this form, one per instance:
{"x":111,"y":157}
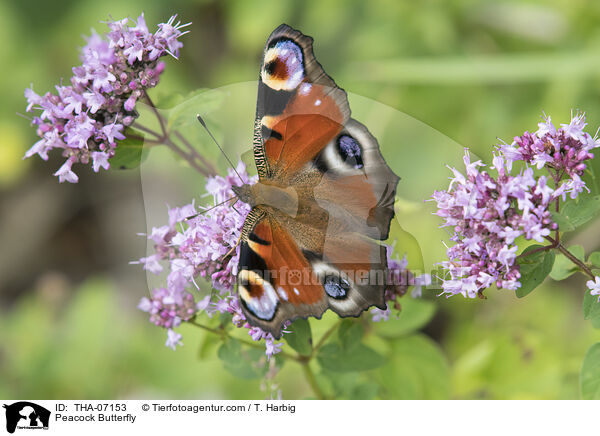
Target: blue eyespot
{"x":336,"y":286}
{"x":350,"y":151}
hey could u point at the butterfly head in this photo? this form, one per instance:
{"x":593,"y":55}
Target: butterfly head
{"x":245,"y":194}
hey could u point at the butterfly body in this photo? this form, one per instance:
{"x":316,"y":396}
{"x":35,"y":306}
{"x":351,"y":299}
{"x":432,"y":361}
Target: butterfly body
{"x":269,"y":195}
{"x":323,"y":202}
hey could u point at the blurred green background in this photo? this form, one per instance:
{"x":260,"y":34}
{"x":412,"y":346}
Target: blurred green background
{"x":472,"y":70}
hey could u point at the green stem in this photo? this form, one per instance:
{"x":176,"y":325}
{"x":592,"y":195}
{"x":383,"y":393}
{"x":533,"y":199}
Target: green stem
{"x":580,"y":264}
{"x":145,"y":129}
{"x":304,"y":361}
{"x":593,"y":174}
{"x":158,"y":115}
{"x":557,"y":232}
{"x":224,"y":335}
{"x":192,"y":157}
{"x":324,"y":338}
{"x":187,"y":156}
{"x":221,"y":333}
{"x":537,"y":250}
{"x":210,"y":167}
{"x":312,"y":380}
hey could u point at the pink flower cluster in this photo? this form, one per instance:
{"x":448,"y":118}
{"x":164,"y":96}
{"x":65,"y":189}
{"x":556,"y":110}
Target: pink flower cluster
{"x":201,"y":243}
{"x":563,"y":150}
{"x":86,"y":118}
{"x":169,"y":309}
{"x":488,"y":213}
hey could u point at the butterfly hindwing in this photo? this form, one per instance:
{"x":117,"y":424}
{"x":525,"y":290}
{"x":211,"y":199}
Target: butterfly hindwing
{"x":280,"y":280}
{"x":274,"y":283}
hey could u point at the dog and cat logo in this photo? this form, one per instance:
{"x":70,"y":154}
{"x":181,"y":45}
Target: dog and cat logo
{"x":26,"y":415}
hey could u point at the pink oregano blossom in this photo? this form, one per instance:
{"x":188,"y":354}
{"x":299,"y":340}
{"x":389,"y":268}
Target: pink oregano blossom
{"x":489,"y":212}
{"x":201,"y":242}
{"x":594,"y":286}
{"x":87,"y":118}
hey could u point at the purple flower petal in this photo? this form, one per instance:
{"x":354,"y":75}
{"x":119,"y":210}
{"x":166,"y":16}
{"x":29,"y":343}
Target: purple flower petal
{"x":100,"y":159}
{"x":65,"y":174}
{"x":173,"y":339}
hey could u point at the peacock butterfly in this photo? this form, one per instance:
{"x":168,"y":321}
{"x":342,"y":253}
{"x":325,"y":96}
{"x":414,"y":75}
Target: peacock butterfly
{"x":323,"y":202}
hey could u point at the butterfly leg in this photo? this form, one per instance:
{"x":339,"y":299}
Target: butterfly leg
{"x":230,"y":252}
{"x":233,"y":207}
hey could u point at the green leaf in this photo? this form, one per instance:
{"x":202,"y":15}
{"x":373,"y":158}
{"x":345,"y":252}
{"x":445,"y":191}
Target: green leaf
{"x":587,"y":208}
{"x":594,"y":259}
{"x":130,"y":152}
{"x":350,"y":333}
{"x":564,"y":224}
{"x":207,"y":345}
{"x":348,"y":385}
{"x":589,"y":377}
{"x":348,"y":353}
{"x":399,"y":237}
{"x":534,"y":269}
{"x":200,"y":101}
{"x":241,"y":362}
{"x":575,"y":214}
{"x":364,"y":391}
{"x":563,"y":267}
{"x":334,"y":357}
{"x":591,"y":306}
{"x":415,"y":314}
{"x":300,"y":337}
{"x":168,"y":100}
{"x":416,"y":369}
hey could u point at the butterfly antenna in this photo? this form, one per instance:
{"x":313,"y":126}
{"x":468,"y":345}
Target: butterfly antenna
{"x":222,"y":151}
{"x":187,"y":218}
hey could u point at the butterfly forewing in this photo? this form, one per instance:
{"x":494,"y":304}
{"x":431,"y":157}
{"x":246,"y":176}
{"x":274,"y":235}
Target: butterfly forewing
{"x":294,"y":92}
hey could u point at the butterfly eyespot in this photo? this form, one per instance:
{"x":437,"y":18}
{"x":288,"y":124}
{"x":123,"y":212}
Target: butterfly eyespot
{"x":271,"y":67}
{"x":335,"y":286}
{"x":257,"y":295}
{"x":283,"y":66}
{"x":350,"y":151}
